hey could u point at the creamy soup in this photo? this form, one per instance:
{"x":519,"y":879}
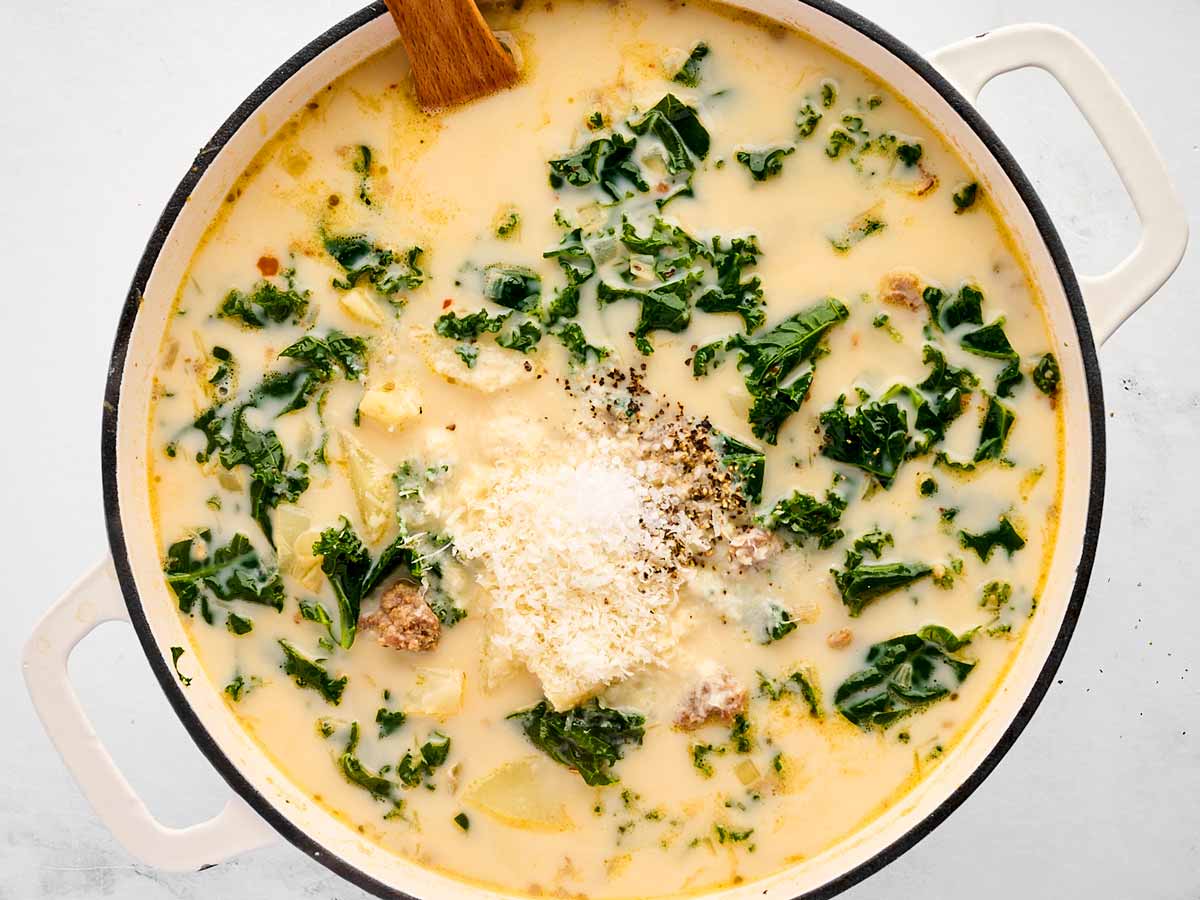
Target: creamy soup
{"x":645,"y":474}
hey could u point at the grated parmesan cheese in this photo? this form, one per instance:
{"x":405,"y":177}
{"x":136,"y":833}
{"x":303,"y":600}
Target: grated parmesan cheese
{"x":576,"y":543}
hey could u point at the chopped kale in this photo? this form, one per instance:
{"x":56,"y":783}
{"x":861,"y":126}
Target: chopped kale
{"x":309,"y":674}
{"x":904,"y":675}
{"x":469,"y":327}
{"x":318,"y":361}
{"x":739,"y":734}
{"x":198,"y":573}
{"x":807,"y":121}
{"x":803,"y":516}
{"x":769,"y":360}
{"x":838,"y":141}
{"x":389,"y":720}
{"x":1046,"y":375}
{"x":708,"y":355}
{"x":578,"y":265}
{"x":662,"y":309}
{"x":414,"y":768}
{"x":1003,"y":535}
{"x":862,"y":583}
{"x":604,"y":162}
{"x":238,"y":625}
{"x":462,"y":821}
{"x":991,"y":341}
{"x":727,"y":835}
{"x":362,"y":168}
{"x":948,"y":311}
{"x":777,"y":625}
{"x":873,"y":438}
{"x":239,"y":687}
{"x":523,"y":338}
{"x":385,"y":270}
{"x":747,"y":464}
{"x":573,"y":338}
{"x":909,"y":154}
{"x":177,"y":652}
{"x":346,"y":563}
{"x":764,"y":164}
{"x":587,"y":739}
{"x":513,"y":287}
{"x":508,"y":225}
{"x":266,"y":302}
{"x":700,"y":754}
{"x":678,"y":128}
{"x":732,"y":294}
{"x":802,"y":682}
{"x":356,"y":773}
{"x":828,"y":93}
{"x":997,"y":422}
{"x":689,"y":72}
{"x":860,"y":228}
{"x":964,"y":198}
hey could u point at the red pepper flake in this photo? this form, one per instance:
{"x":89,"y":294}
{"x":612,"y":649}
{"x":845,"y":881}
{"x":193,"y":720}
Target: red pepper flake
{"x":446,"y":303}
{"x":268,"y":265}
{"x":663,"y":187}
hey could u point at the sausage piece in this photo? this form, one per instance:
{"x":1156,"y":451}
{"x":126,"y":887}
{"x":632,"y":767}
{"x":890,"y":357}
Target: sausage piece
{"x":404,"y":620}
{"x":717,"y":696}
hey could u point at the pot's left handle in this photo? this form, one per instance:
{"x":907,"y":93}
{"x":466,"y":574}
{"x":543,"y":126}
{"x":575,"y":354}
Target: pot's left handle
{"x":92,"y":601}
{"x":1113,"y":297}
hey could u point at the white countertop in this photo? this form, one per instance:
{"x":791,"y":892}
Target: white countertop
{"x":102,"y":107}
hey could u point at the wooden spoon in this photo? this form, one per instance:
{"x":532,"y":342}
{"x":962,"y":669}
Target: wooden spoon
{"x":454,"y":56}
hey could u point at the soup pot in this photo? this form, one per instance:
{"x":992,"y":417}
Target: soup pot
{"x":265,"y":805}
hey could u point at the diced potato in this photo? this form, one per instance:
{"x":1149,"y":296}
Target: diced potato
{"x":357,"y":305}
{"x":437,"y":692}
{"x":373,"y":490}
{"x":747,"y":772}
{"x":391,"y":404}
{"x":495,"y":368}
{"x":306,"y":567}
{"x":516,"y":795}
{"x":290,"y":523}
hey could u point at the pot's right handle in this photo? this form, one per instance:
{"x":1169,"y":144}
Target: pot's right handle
{"x":1113,"y":297}
{"x":93,"y":600}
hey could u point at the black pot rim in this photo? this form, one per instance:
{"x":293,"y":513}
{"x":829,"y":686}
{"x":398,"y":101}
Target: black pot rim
{"x":301,"y":839}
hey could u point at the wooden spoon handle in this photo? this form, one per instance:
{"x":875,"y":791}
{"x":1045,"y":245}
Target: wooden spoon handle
{"x":454,"y":55}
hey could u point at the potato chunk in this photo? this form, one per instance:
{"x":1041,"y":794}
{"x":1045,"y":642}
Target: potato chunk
{"x":391,"y":404}
{"x":372,"y":484}
{"x":358,"y":306}
{"x":517,"y":795}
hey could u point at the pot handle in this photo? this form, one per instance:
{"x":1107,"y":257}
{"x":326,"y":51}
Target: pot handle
{"x":95,"y":599}
{"x":1113,"y":297}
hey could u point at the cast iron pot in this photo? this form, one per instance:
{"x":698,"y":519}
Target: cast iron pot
{"x":264,"y":805}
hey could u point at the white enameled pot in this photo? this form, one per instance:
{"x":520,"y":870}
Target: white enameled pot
{"x":263,"y":804}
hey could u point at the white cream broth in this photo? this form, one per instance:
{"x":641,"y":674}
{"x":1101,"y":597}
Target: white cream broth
{"x":445,"y":183}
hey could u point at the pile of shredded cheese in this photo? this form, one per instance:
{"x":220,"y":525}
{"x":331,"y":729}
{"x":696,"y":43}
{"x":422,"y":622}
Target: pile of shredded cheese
{"x":579,"y":543}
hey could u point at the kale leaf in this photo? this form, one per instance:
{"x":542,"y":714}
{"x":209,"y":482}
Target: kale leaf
{"x":764,"y":164}
{"x":997,"y":422}
{"x":356,"y":773}
{"x":385,"y":270}
{"x":513,"y":287}
{"x":469,"y":327}
{"x":266,"y":302}
{"x":663,"y":308}
{"x":346,"y":563}
{"x":578,"y":265}
{"x":802,"y":682}
{"x":604,"y":162}
{"x":807,"y":121}
{"x":778,"y":624}
{"x":964,"y":198}
{"x":747,"y":464}
{"x":731,"y":293}
{"x":523,"y":338}
{"x":309,"y":674}
{"x":272,"y":481}
{"x":948,"y":311}
{"x":389,"y":720}
{"x":991,"y":341}
{"x":573,"y":338}
{"x":861,"y":583}
{"x":415,"y":768}
{"x":903,"y":675}
{"x":1046,"y":375}
{"x":803,"y":516}
{"x":1004,"y":534}
{"x":769,"y":360}
{"x":679,"y":129}
{"x":873,"y":438}
{"x":689,"y":72}
{"x":711,"y":354}
{"x":319,"y":360}
{"x":587,"y":739}
{"x":198,"y":573}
